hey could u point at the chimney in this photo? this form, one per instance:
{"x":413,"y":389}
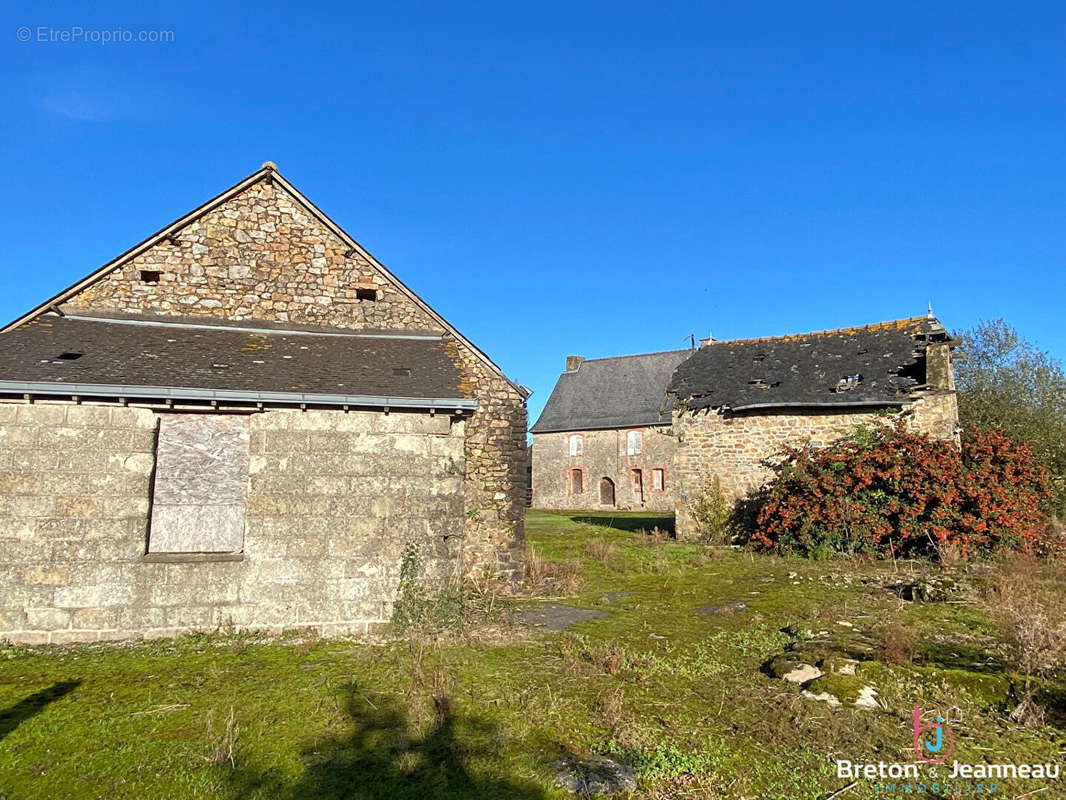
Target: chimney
{"x":573,"y":362}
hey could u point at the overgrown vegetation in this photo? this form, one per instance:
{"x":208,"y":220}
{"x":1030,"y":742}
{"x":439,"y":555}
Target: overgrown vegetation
{"x":679,"y":696}
{"x":1008,"y":383}
{"x":424,"y":606}
{"x":889,"y":493}
{"x":1029,"y":606}
{"x":712,"y":510}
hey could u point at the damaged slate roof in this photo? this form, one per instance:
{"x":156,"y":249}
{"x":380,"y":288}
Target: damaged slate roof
{"x":53,"y":349}
{"x":619,"y":392}
{"x":878,"y":364}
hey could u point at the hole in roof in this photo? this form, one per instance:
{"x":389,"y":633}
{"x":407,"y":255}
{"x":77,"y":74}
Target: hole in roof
{"x":220,"y":366}
{"x":403,"y":372}
{"x":366,"y":294}
{"x":759,"y":357}
{"x":151,"y":275}
{"x":848,"y":382}
{"x":67,"y":357}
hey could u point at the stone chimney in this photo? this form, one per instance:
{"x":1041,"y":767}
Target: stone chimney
{"x":573,"y":362}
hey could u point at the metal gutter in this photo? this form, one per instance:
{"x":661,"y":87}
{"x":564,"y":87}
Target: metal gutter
{"x":859,"y":404}
{"x":232,"y":395}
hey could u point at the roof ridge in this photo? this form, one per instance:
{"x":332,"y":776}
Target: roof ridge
{"x":897,"y":324}
{"x":638,"y":355}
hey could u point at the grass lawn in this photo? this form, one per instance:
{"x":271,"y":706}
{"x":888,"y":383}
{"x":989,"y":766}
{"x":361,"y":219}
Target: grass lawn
{"x":679,"y":695}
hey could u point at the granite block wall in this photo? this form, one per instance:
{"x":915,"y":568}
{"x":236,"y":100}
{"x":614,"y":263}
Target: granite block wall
{"x":333,"y":499}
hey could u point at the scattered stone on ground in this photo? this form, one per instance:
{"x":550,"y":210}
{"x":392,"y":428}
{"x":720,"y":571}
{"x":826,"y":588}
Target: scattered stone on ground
{"x":867,"y":698}
{"x":823,"y":697}
{"x":793,"y":670}
{"x":595,"y":775}
{"x":839,"y":666}
{"x":555,"y":616}
{"x":724,"y":608}
{"x":925,"y":590}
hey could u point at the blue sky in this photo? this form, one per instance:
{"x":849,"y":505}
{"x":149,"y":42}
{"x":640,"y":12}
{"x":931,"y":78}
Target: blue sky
{"x":592,"y":178}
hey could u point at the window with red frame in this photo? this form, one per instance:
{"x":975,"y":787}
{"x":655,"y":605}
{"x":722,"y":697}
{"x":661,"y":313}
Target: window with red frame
{"x":577,"y":481}
{"x":658,"y":479}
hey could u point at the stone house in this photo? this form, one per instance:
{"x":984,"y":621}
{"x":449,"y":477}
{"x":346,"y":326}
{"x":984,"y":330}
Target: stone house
{"x":604,"y":438}
{"x":242,"y":423}
{"x":737,"y":403}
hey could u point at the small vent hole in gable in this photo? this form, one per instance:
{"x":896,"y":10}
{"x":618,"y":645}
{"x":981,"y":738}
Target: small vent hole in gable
{"x":366,"y":294}
{"x":150,"y":275}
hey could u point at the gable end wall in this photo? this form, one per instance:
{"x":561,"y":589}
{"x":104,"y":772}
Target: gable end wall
{"x":262,"y":255}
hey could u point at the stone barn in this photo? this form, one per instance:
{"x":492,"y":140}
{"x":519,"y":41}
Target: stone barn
{"x":604,"y":440}
{"x":242,"y":423}
{"x":738,"y":403}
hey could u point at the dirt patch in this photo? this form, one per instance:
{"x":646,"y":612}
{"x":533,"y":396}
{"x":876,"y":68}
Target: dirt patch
{"x":556,"y":617}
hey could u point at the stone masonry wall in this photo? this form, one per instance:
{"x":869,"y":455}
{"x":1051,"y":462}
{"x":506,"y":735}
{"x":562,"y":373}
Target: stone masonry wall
{"x":262,"y":255}
{"x":733,"y":447}
{"x":333,"y":500}
{"x":495,"y":485}
{"x":604,"y":454}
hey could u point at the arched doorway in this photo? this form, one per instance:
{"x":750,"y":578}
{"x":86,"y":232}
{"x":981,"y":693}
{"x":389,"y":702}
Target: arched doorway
{"x":606,"y":492}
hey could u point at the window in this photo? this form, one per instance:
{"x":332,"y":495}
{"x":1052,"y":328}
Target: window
{"x":151,"y":275}
{"x":634,"y":443}
{"x":577,"y":481}
{"x":638,"y":485}
{"x":366,"y":294}
{"x":658,"y":479}
{"x":201,"y":484}
{"x":577,"y":444}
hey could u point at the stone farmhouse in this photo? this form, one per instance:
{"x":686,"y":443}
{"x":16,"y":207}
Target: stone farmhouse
{"x":242,"y":423}
{"x":737,"y":403}
{"x":727,"y":409}
{"x":604,"y":438}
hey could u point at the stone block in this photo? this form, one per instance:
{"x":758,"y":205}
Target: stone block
{"x":92,"y":596}
{"x":94,"y":618}
{"x":45,"y":575}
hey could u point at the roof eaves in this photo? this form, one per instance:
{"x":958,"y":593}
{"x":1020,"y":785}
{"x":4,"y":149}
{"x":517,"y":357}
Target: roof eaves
{"x":164,"y":393}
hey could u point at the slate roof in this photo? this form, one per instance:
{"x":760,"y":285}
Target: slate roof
{"x":204,"y":356}
{"x":885,"y":362}
{"x":619,"y":392}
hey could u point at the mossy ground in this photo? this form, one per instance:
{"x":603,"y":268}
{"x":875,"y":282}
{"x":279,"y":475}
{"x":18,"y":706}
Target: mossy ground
{"x":680,"y":696}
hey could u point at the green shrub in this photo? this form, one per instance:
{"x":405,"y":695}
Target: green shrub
{"x":712,"y":510}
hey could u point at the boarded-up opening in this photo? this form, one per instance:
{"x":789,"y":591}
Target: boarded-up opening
{"x":577,"y":481}
{"x":201,"y":484}
{"x":658,"y":479}
{"x":638,"y":485}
